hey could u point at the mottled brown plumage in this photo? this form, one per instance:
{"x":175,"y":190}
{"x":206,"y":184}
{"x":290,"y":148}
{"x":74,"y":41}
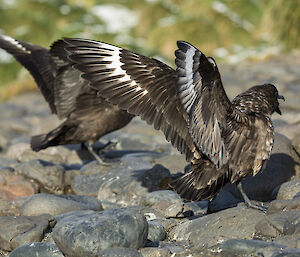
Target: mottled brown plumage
{"x":88,"y":115}
{"x":224,"y":141}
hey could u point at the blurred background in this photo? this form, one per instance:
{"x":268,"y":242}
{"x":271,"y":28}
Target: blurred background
{"x":228,"y":30}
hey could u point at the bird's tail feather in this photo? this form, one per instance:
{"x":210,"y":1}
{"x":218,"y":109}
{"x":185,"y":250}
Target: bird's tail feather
{"x":39,"y":142}
{"x":202,"y":182}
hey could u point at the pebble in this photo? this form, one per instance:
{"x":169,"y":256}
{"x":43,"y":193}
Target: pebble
{"x":19,"y":230}
{"x":58,"y":204}
{"x":119,"y":252}
{"x":40,"y":248}
{"x":84,"y":234}
{"x":238,"y":222}
{"x":48,"y":175}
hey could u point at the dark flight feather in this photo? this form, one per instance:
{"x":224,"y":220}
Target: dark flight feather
{"x":88,"y":115}
{"x":224,"y":141}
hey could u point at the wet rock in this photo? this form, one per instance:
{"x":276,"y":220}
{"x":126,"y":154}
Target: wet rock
{"x":19,"y":230}
{"x":287,"y":190}
{"x":250,"y":247}
{"x":12,"y":185}
{"x":119,"y":252}
{"x":37,"y":249}
{"x":58,"y":204}
{"x":277,"y":224}
{"x":238,"y":222}
{"x":156,"y":232}
{"x":48,"y":175}
{"x":80,"y":234}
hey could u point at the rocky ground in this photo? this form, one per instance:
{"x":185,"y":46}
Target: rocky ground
{"x":59,"y":202}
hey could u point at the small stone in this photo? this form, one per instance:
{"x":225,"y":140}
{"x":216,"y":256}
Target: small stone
{"x":277,"y":224}
{"x":48,"y":175}
{"x":238,"y":222}
{"x":12,"y":185}
{"x":19,"y":230}
{"x":156,"y":232}
{"x":58,"y":204}
{"x":86,"y":234}
{"x":250,"y":247}
{"x":37,"y":249}
{"x":119,"y":252}
{"x":289,"y":241}
{"x":284,"y":205}
{"x":155,"y":197}
{"x":287,"y":190}
{"x":155,"y":252}
{"x":197,"y":208}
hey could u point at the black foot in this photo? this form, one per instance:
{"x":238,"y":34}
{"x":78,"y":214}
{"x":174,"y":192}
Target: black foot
{"x":254,"y":205}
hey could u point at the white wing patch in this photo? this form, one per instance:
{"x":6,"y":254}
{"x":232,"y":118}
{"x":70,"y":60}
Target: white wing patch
{"x":187,"y":93}
{"x":16,"y":43}
{"x":116,"y":66}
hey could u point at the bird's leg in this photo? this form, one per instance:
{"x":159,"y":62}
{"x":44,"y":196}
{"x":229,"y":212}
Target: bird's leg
{"x":109,"y":144}
{"x":248,"y":201}
{"x":98,"y":159}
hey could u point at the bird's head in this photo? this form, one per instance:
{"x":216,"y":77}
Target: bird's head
{"x":259,"y":99}
{"x":272,"y":96}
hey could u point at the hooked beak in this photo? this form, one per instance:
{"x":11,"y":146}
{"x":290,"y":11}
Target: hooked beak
{"x":277,"y":109}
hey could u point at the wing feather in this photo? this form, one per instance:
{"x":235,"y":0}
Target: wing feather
{"x":141,"y":85}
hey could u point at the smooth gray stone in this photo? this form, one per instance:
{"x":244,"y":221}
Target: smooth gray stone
{"x":284,"y":205}
{"x":87,"y":234}
{"x":255,"y":247}
{"x":48,"y":175}
{"x":287,"y":190}
{"x":155,"y":252}
{"x":283,"y":223}
{"x":5,"y":162}
{"x":288,"y":252}
{"x":109,"y":181}
{"x":290,"y":241}
{"x":197,"y":208}
{"x":156,"y":232}
{"x":119,"y":252}
{"x":126,"y":187}
{"x":238,"y":222}
{"x":37,"y":249}
{"x":58,"y":204}
{"x":19,"y":230}
{"x":152,"y":198}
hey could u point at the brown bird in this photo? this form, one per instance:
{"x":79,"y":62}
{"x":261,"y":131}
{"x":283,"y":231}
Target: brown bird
{"x":224,"y":141}
{"x":88,"y":116}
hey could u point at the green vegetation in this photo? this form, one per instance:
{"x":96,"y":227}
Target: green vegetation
{"x":151,"y":27}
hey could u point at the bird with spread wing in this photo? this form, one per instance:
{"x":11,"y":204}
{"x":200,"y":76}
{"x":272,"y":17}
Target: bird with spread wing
{"x":88,"y":116}
{"x":223,"y":141}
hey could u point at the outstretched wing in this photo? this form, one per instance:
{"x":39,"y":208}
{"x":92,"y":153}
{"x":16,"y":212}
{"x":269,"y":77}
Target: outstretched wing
{"x":38,"y":61}
{"x":203,"y":97}
{"x":143,"y":86}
